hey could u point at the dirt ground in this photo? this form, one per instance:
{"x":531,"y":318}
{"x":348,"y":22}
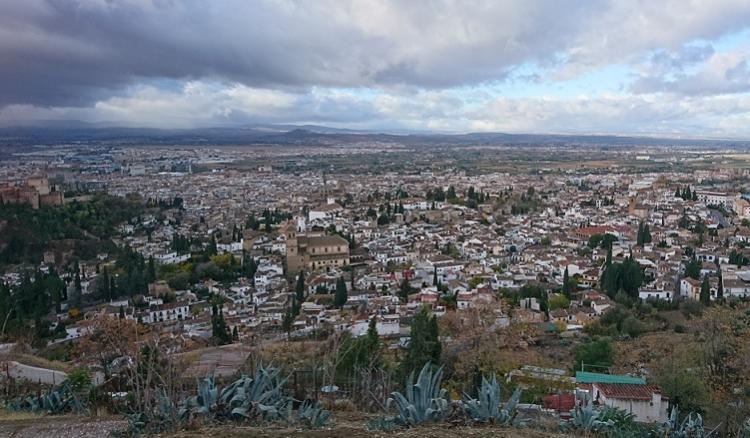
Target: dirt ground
{"x":85,"y":427}
{"x":32,"y":426}
{"x":358,"y":431}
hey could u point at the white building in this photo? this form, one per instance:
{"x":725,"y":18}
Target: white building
{"x":387,"y":325}
{"x":645,"y":402}
{"x":171,"y":258}
{"x":651,"y":294}
{"x":710,"y":197}
{"x":230,"y":247}
{"x":166,"y":312}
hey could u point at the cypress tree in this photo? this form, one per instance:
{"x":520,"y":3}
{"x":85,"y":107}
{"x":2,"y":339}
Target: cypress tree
{"x":404,"y":290}
{"x":341,"y":295}
{"x":566,"y":287}
{"x":639,"y":235}
{"x":299,"y":289}
{"x":705,"y":296}
{"x":219,"y":329}
{"x":424,"y":343}
{"x":151,"y":272}
{"x":288,"y":321}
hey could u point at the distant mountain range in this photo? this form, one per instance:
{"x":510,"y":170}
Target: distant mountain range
{"x":79,"y":132}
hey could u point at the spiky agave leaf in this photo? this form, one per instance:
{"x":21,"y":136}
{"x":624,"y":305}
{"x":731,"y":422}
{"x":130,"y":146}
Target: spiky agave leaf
{"x":423,"y":401}
{"x":311,"y":415}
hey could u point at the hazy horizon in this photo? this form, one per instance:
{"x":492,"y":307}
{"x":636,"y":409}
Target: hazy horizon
{"x":667,"y":69}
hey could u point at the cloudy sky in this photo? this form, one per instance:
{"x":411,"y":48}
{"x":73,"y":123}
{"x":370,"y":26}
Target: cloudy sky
{"x":667,"y":67}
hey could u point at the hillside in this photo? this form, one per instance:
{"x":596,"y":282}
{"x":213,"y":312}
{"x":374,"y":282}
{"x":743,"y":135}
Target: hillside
{"x":80,"y":227}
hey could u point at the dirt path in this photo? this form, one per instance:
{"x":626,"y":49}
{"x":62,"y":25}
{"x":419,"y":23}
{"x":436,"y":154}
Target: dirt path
{"x":60,"y":427}
{"x":357,"y":430}
{"x":85,"y":427}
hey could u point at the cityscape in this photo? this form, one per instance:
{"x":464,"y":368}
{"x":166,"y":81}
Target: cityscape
{"x":552,"y":244}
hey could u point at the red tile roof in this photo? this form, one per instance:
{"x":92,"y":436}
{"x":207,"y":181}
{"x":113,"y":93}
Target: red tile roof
{"x":624,"y":391}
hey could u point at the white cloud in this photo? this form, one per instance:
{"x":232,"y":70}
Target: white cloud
{"x":377,"y":63}
{"x":199,"y":104}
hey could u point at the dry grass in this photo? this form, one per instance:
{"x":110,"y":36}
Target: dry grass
{"x":40,"y":362}
{"x":6,"y":415}
{"x":351,"y":429}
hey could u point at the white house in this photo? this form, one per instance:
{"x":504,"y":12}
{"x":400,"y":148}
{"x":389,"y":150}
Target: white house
{"x":166,"y":312}
{"x":229,"y":247}
{"x":171,"y":258}
{"x":645,"y":402}
{"x":646,"y":294}
{"x":387,"y":325}
{"x":711,"y":197}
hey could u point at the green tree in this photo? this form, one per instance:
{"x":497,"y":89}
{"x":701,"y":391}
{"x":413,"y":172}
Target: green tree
{"x":596,"y":353}
{"x":567,"y":288}
{"x":626,"y":276}
{"x":299,"y":288}
{"x":693,"y":269}
{"x":705,"y":296}
{"x":219,"y":329}
{"x":287,"y":321}
{"x":77,"y":295}
{"x":639,"y":235}
{"x":79,"y":379}
{"x":151,"y":270}
{"x":424,"y":342}
{"x":404,"y":290}
{"x":360,"y":353}
{"x":558,"y":301}
{"x":684,"y":386}
{"x":342,"y":294}
{"x":211,"y":249}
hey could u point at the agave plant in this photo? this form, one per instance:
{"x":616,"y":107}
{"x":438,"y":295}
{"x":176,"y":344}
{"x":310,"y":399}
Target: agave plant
{"x":623,"y":424}
{"x":261,"y":395}
{"x":58,"y":400}
{"x":158,"y":420}
{"x":587,"y":418}
{"x":487,"y":408}
{"x":311,"y":415}
{"x":201,"y":404}
{"x":690,"y":427}
{"x":424,"y":401}
{"x":744,"y":431}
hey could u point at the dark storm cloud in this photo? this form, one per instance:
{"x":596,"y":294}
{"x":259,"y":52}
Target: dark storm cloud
{"x":426,"y":64}
{"x":69,"y":53}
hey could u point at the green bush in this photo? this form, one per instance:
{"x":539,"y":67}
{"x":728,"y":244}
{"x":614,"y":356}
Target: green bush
{"x":691,"y":308}
{"x":597,"y":352}
{"x":79,"y":379}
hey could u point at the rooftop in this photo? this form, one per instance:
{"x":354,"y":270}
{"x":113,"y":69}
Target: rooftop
{"x":587,"y":377}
